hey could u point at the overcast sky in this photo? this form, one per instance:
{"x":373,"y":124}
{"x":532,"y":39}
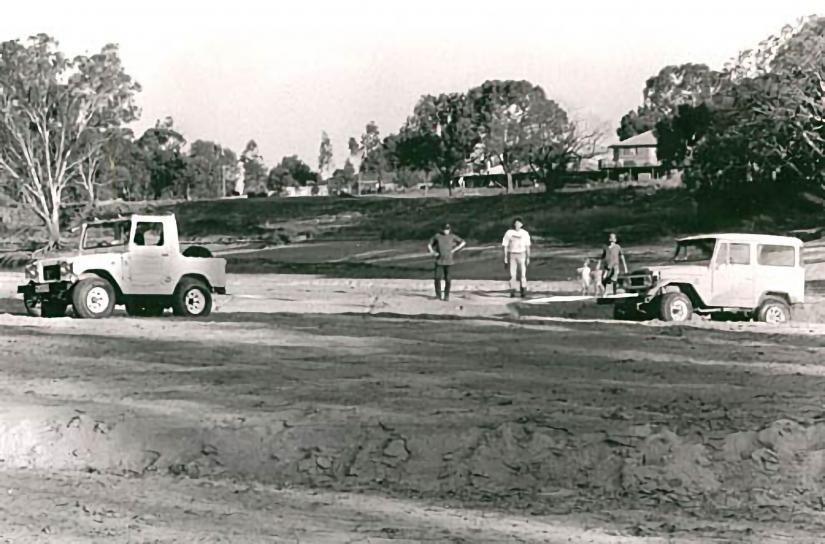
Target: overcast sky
{"x":235,"y":70}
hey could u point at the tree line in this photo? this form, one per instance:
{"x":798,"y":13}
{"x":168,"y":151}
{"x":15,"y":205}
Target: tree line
{"x":747,"y":134}
{"x":750,"y":135}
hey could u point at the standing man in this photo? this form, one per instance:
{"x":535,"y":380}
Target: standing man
{"x":516,"y":245}
{"x":443,"y":246}
{"x":612,"y":257}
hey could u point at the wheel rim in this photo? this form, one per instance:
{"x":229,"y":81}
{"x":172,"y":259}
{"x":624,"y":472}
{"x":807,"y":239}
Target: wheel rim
{"x":775,"y":315}
{"x":679,"y":310}
{"x":195,"y":301}
{"x":97,"y":300}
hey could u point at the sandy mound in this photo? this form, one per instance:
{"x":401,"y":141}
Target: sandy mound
{"x":780,"y":466}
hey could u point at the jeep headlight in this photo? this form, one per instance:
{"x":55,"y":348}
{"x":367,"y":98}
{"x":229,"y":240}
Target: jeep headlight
{"x":31,"y":271}
{"x":66,"y":268}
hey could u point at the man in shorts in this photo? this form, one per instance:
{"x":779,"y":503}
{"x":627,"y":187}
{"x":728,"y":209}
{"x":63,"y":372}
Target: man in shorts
{"x":443,"y":247}
{"x":612,"y":257}
{"x":516,"y":244}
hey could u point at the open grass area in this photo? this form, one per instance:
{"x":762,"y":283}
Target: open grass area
{"x":562,"y":218}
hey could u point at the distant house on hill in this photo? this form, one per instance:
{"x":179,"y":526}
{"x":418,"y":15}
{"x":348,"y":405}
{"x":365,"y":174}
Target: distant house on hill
{"x":372,"y":182}
{"x":322,"y":189}
{"x":633,"y":159}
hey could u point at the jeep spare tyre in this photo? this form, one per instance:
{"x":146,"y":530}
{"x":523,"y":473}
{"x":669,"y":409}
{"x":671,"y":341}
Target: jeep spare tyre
{"x":675,"y":307}
{"x":192,"y":298}
{"x":93,"y":298}
{"x":773,"y":310}
{"x":197,"y":251}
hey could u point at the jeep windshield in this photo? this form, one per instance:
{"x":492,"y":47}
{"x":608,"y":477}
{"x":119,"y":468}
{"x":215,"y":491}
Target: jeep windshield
{"x":109,"y":234}
{"x":695,"y":251}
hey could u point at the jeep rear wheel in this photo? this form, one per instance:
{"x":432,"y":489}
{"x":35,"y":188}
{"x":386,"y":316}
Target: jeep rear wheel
{"x":675,"y":307}
{"x":93,"y":298}
{"x":773,"y":310}
{"x":192,"y":299}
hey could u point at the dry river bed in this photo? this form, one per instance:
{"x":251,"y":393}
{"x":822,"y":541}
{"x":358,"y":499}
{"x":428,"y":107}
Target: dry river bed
{"x":324,"y":410}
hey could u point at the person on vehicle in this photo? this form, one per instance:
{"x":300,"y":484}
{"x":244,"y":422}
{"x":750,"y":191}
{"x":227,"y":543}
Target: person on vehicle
{"x":516,"y":244}
{"x":610,"y":261}
{"x":443,"y":246}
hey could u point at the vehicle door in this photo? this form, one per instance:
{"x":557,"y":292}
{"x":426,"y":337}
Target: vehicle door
{"x":779,"y":270}
{"x":148,"y":259}
{"x":733,"y":275}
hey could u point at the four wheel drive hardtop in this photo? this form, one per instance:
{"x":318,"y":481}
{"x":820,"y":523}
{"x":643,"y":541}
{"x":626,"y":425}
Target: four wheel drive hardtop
{"x":135,"y":261}
{"x":754,"y":274}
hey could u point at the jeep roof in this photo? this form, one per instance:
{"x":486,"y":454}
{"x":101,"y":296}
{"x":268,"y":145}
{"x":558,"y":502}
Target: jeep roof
{"x":745,"y":237}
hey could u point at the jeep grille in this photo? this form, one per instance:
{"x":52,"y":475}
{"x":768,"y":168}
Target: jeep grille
{"x":51,"y":273}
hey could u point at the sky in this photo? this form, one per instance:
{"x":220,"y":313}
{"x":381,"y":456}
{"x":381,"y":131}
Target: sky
{"x":282,"y":72}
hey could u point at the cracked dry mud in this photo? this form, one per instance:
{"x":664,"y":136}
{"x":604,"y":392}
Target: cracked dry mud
{"x":427,"y":423}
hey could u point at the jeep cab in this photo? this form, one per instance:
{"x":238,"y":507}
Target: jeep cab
{"x":757,"y":275}
{"x":134,"y":261}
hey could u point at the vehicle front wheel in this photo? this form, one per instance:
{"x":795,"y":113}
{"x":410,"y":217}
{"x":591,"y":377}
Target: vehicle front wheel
{"x":675,"y":307}
{"x":93,"y":298}
{"x":192,"y":298}
{"x":773,"y":310}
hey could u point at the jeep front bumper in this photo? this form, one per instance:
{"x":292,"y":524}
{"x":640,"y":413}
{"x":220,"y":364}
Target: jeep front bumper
{"x":56,"y":289}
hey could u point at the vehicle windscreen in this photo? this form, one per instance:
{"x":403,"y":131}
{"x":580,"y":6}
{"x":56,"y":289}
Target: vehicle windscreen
{"x":697,"y":251}
{"x":111,"y":234}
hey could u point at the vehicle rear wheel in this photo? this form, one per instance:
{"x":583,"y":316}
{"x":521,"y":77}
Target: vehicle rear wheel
{"x":192,"y":298}
{"x":144,"y":309}
{"x":675,"y":307}
{"x":93,"y":298}
{"x":773,"y":310}
{"x":44,"y":308}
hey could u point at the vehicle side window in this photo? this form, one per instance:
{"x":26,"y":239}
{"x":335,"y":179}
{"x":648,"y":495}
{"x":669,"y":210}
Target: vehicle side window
{"x":740,"y":254}
{"x":722,"y":254}
{"x":775,"y":255}
{"x":149,"y":234}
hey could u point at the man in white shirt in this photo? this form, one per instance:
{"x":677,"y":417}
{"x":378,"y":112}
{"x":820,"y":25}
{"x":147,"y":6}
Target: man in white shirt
{"x":516,"y":245}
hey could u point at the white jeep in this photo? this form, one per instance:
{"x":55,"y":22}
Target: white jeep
{"x":755,"y":275}
{"x":134,"y":261}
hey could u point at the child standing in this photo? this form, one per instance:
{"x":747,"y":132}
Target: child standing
{"x":586,"y":275}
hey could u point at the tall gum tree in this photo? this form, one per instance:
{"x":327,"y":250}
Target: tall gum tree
{"x":55,"y":113}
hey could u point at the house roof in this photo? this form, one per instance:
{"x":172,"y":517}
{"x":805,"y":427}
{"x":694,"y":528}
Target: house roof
{"x":645,"y":139}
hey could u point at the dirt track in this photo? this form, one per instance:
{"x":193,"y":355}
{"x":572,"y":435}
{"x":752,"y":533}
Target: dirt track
{"x":364,"y":411}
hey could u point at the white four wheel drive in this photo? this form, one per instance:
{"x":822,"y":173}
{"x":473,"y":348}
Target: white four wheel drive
{"x":755,"y":275}
{"x":134,"y":261}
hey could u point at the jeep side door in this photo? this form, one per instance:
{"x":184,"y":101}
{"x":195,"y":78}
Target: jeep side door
{"x":148,"y":259}
{"x":733,"y":275}
{"x":779,"y":270}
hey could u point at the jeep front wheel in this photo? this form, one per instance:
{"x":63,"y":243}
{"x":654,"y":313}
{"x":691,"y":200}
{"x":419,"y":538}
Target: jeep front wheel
{"x":773,"y":310}
{"x":93,"y":298}
{"x":192,"y":299}
{"x":675,"y":307}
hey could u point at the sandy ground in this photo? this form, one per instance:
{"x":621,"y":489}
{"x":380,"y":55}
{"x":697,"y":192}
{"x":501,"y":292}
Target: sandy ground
{"x":311,"y":409}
